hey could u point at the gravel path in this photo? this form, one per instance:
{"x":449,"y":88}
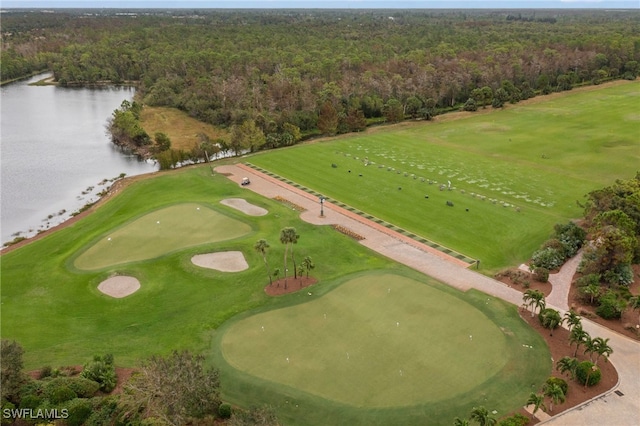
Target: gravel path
{"x":608,"y":409}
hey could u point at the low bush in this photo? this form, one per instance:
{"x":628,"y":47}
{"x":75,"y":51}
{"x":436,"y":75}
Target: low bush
{"x":611,"y":306}
{"x":61,"y":394}
{"x":224,"y":410}
{"x":588,"y":373}
{"x":101,"y":370}
{"x":515,"y":420}
{"x":82,"y":387}
{"x":105,"y":411}
{"x":549,"y":258}
{"x":541,"y":274}
{"x":79,"y":410}
{"x":30,"y":401}
{"x":45,"y":372}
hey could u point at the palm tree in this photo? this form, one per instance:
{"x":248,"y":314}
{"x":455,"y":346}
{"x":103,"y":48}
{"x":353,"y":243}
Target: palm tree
{"x":276,"y":274}
{"x":590,"y":346}
{"x":300,"y":272}
{"x":555,"y":393}
{"x":261,"y":247}
{"x":602,"y":348}
{"x":535,"y":300}
{"x":481,"y":415}
{"x":308,"y":264}
{"x":572,"y":319}
{"x":579,"y":337}
{"x":537,"y":400}
{"x":569,"y":365}
{"x":592,"y":290}
{"x":550,"y":318}
{"x":460,"y":422}
{"x":288,"y":237}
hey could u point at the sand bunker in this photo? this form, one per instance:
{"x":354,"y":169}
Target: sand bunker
{"x":226,"y":261}
{"x":119,"y":286}
{"x":244,"y":206}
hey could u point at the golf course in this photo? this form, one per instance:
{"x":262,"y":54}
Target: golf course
{"x":509,"y":175}
{"x":373,"y":342}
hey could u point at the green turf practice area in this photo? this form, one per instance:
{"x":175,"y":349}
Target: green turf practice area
{"x":510,"y":174}
{"x":384,"y":342}
{"x":373,"y":342}
{"x":160,"y":232}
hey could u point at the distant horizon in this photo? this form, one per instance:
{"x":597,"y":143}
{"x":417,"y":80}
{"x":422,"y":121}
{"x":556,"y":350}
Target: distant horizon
{"x":324,"y":4}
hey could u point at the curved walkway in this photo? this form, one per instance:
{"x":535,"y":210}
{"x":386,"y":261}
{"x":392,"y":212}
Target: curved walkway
{"x":608,"y":409}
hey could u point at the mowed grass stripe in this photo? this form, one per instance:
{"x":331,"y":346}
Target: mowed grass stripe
{"x":518,"y":171}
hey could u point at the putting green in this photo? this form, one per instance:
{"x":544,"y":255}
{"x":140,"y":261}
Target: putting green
{"x":160,"y":232}
{"x":376,"y":341}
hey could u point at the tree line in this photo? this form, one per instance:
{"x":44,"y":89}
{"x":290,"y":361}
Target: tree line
{"x":176,"y":389}
{"x":327,"y":72}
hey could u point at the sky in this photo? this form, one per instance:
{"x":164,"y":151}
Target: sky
{"x":327,"y":4}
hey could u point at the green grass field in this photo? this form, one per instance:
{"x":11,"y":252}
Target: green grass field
{"x":538,"y":158}
{"x":51,"y":305}
{"x":381,"y":343}
{"x":163,"y":231}
{"x":55,"y":311}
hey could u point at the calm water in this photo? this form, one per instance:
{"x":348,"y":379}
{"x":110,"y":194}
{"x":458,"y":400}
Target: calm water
{"x":53,"y":147}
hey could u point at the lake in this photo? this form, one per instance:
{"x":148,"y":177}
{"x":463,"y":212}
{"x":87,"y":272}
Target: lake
{"x":54,"y":148}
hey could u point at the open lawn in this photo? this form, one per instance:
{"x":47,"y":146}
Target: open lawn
{"x":57,"y":313}
{"x":518,"y":171}
{"x":183,"y":130}
{"x":382,"y":342}
{"x":60,"y":317}
{"x":163,"y":231}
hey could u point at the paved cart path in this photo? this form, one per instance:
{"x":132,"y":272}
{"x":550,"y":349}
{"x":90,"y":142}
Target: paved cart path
{"x":608,"y":409}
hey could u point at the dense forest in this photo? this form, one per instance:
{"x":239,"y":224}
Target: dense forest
{"x":324,"y":71}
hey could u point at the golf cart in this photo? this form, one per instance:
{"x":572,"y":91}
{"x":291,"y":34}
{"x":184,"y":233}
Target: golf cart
{"x":245,"y":181}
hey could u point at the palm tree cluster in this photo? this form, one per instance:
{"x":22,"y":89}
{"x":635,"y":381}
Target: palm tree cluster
{"x":534,"y":299}
{"x":288,"y":236}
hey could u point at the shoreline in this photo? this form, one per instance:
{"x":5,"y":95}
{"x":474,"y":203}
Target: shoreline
{"x":117,"y":186}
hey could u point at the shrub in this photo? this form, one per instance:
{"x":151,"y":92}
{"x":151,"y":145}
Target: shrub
{"x":45,"y":372}
{"x":101,"y":370}
{"x":79,"y":410}
{"x":589,"y":279}
{"x":620,"y":275}
{"x":588,"y":371}
{"x":224,"y":410}
{"x":610,"y":306}
{"x":571,"y":236}
{"x":515,"y":420}
{"x":84,"y":388}
{"x":558,"y":381}
{"x":555,"y":244}
{"x":30,"y":401}
{"x":549,"y":258}
{"x":104,"y":412}
{"x":541,"y":274}
{"x":61,"y":394}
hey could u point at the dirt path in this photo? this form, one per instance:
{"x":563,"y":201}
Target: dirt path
{"x":619,"y":407}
